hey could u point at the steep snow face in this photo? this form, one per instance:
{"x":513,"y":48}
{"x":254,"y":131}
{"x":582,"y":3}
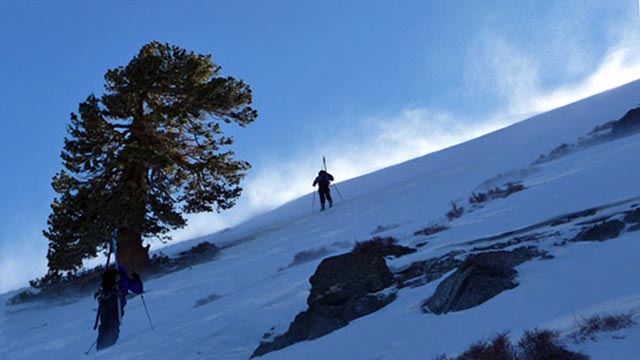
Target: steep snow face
{"x":254,"y":288}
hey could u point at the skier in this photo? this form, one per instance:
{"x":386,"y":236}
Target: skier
{"x":115,"y":286}
{"x":323,"y":180}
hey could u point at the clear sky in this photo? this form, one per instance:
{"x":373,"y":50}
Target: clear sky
{"x":367,"y":83}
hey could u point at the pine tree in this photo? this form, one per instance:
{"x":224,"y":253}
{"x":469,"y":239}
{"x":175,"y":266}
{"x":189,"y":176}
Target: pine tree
{"x":142,"y":155}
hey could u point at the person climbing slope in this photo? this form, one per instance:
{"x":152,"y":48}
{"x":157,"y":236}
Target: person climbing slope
{"x":323,"y":180}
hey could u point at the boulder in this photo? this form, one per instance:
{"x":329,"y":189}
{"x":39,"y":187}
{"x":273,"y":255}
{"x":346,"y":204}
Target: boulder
{"x":629,"y":122}
{"x":479,"y":278}
{"x":343,"y":288}
{"x":600,"y":232}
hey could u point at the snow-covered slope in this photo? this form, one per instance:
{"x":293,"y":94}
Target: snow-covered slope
{"x":222,"y":309}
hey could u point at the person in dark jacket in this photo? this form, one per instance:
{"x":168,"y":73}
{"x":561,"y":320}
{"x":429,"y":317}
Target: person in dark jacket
{"x":109,"y":295}
{"x":323,"y":180}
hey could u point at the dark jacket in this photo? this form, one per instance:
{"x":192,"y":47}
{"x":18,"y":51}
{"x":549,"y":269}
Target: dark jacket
{"x":323,"y":180}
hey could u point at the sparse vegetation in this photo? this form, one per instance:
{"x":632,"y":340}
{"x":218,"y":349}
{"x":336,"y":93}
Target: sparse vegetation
{"x":534,"y":345}
{"x":498,"y":348}
{"x":589,"y":327}
{"x":560,"y":151}
{"x":455,"y":212}
{"x":495,"y":193}
{"x":381,"y":246}
{"x":430,"y":230}
{"x":88,"y":280}
{"x":204,"y":247}
{"x":545,"y":344}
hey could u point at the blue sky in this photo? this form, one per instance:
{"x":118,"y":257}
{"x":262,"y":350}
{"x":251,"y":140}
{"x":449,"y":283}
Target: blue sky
{"x":366,"y":83}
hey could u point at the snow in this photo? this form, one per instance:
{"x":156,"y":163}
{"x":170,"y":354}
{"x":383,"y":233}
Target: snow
{"x":252,"y":289}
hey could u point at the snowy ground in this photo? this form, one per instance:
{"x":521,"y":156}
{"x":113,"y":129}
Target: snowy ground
{"x":253,"y":291}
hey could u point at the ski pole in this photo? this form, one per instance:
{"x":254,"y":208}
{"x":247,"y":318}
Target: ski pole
{"x":95,"y":324}
{"x":336,"y":187}
{"x":313,"y":200}
{"x":146,"y":310}
{"x":114,"y":243}
{"x":91,"y":348}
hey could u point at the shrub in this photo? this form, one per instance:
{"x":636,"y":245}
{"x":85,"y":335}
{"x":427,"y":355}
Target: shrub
{"x":455,"y":212}
{"x":203,"y":248}
{"x":495,"y":193}
{"x":588,"y":328}
{"x":382,"y":247}
{"x":499,"y":348}
{"x":433,"y":229}
{"x":544,"y":344}
{"x":534,"y":345}
{"x":558,"y":152}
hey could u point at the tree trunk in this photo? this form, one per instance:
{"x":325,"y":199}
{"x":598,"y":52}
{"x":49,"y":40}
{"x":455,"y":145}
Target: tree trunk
{"x":131,"y":253}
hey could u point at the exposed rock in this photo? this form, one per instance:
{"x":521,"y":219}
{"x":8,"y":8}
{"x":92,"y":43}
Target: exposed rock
{"x":600,"y":232}
{"x":479,"y":278}
{"x":347,"y":276}
{"x":632,"y":216}
{"x":426,"y":271}
{"x":629,"y":122}
{"x":514,"y":241}
{"x":343,"y":288}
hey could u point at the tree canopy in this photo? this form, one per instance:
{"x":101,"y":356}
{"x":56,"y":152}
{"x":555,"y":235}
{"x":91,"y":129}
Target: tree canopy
{"x":143,"y":154}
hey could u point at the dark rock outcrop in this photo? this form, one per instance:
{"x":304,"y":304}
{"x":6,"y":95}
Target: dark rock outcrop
{"x":343,"y":288}
{"x":632,"y":216}
{"x":605,"y":230}
{"x":629,"y":122}
{"x":479,"y":278}
{"x":426,"y":271}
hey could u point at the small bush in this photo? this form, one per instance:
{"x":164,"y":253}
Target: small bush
{"x":433,"y":229}
{"x":588,"y":328}
{"x":534,"y":345}
{"x":496,"y":193}
{"x":381,"y":246}
{"x":558,"y":152}
{"x":499,"y":348}
{"x":455,"y":212}
{"x":203,"y":248}
{"x":22,"y":297}
{"x":374,"y":245}
{"x":544,"y":344}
